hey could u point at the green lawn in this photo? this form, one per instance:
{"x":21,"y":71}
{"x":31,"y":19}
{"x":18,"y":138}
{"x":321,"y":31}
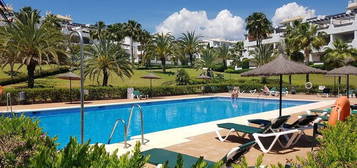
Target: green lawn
{"x":168,"y":78}
{"x":22,"y":70}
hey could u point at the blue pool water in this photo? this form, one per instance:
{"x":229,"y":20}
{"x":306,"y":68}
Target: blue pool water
{"x":158,"y":116}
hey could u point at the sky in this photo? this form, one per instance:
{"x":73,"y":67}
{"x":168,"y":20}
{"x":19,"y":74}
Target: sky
{"x":221,"y":19}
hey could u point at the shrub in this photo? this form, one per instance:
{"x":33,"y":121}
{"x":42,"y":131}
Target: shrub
{"x":218,"y":67}
{"x":20,"y":139}
{"x":245,"y":64}
{"x":236,"y":71}
{"x":182,"y":77}
{"x":85,"y":155}
{"x":23,"y":144}
{"x":338,"y":147}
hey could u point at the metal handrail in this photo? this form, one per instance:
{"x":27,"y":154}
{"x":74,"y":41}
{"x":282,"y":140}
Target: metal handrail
{"x":125,"y":131}
{"x":141,"y":119}
{"x":8,"y":102}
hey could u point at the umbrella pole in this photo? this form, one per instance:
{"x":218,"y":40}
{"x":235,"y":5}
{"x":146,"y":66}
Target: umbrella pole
{"x":348,"y":85}
{"x":150,"y":87}
{"x":339,"y":85}
{"x":70,"y":90}
{"x":334,"y":84}
{"x":281,"y":90}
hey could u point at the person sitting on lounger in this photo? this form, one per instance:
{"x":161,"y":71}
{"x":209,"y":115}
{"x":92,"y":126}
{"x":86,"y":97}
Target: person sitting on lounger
{"x":235,"y":93}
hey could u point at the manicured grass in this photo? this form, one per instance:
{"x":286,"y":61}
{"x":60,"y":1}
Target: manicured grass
{"x":22,"y":70}
{"x":169,"y":78}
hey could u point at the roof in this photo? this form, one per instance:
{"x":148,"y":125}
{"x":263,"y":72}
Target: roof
{"x":282,"y":66}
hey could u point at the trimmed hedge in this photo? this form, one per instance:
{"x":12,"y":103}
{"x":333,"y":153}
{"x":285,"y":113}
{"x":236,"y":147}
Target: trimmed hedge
{"x":236,"y":71}
{"x":44,"y":73}
{"x":48,"y":95}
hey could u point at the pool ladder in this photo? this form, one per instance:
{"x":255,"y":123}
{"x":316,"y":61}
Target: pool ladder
{"x":127,"y":126}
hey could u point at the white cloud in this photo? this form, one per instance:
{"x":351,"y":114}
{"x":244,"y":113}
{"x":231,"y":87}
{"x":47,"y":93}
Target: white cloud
{"x":223,"y":26}
{"x":291,"y":10}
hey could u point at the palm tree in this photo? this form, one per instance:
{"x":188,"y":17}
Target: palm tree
{"x":224,"y":53}
{"x":237,"y":53}
{"x":107,"y":57}
{"x":8,"y":53}
{"x":258,"y":26}
{"x":133,"y":30}
{"x":163,"y":47}
{"x":263,"y":54}
{"x":53,"y":20}
{"x":208,"y":59}
{"x":116,"y":32}
{"x":145,"y":39}
{"x":35,"y":43}
{"x":190,"y":42}
{"x":99,"y":31}
{"x":339,"y":55}
{"x":306,"y":37}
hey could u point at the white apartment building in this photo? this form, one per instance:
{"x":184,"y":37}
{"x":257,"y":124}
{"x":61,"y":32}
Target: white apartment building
{"x":338,"y":26}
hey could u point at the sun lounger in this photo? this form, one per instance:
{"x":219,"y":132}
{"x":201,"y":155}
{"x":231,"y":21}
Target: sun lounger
{"x":139,"y":95}
{"x":160,"y":156}
{"x":296,"y":129}
{"x":233,"y":127}
{"x":291,"y":140}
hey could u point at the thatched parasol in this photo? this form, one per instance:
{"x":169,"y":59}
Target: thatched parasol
{"x":69,"y":76}
{"x":346,"y":70}
{"x":151,"y":77}
{"x":281,"y":66}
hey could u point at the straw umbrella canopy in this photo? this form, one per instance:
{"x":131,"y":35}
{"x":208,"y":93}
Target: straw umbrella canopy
{"x":69,"y":76}
{"x":346,"y":70}
{"x":151,"y":77}
{"x":281,"y":66}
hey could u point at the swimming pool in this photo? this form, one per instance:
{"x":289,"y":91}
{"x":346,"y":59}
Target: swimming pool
{"x":158,"y":115}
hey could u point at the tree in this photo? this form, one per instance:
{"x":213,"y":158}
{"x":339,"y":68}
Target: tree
{"x":116,"y":32}
{"x":8,"y":53}
{"x":339,"y":55}
{"x":145,"y":39}
{"x":224,"y":53}
{"x":190,"y":43}
{"x":133,"y":30}
{"x":258,"y":26}
{"x":99,"y":31}
{"x":305,"y":37}
{"x":263,"y":54}
{"x":208,"y":58}
{"x":34,"y":42}
{"x":106,"y":57}
{"x":163,"y":47}
{"x":237,"y":53}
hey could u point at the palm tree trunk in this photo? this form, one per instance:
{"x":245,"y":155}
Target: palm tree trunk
{"x":307,"y":55}
{"x":191,"y":59}
{"x":163,"y":64}
{"x":105,"y":77}
{"x":31,"y":74}
{"x":224,"y":64}
{"x":12,"y":72}
{"x":132,"y":49}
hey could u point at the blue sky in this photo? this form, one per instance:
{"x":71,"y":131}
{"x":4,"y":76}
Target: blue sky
{"x":150,"y":13}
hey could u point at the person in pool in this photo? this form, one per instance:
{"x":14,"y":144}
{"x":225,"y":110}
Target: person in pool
{"x":235,"y":93}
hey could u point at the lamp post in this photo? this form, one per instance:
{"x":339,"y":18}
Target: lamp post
{"x":82,"y":82}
